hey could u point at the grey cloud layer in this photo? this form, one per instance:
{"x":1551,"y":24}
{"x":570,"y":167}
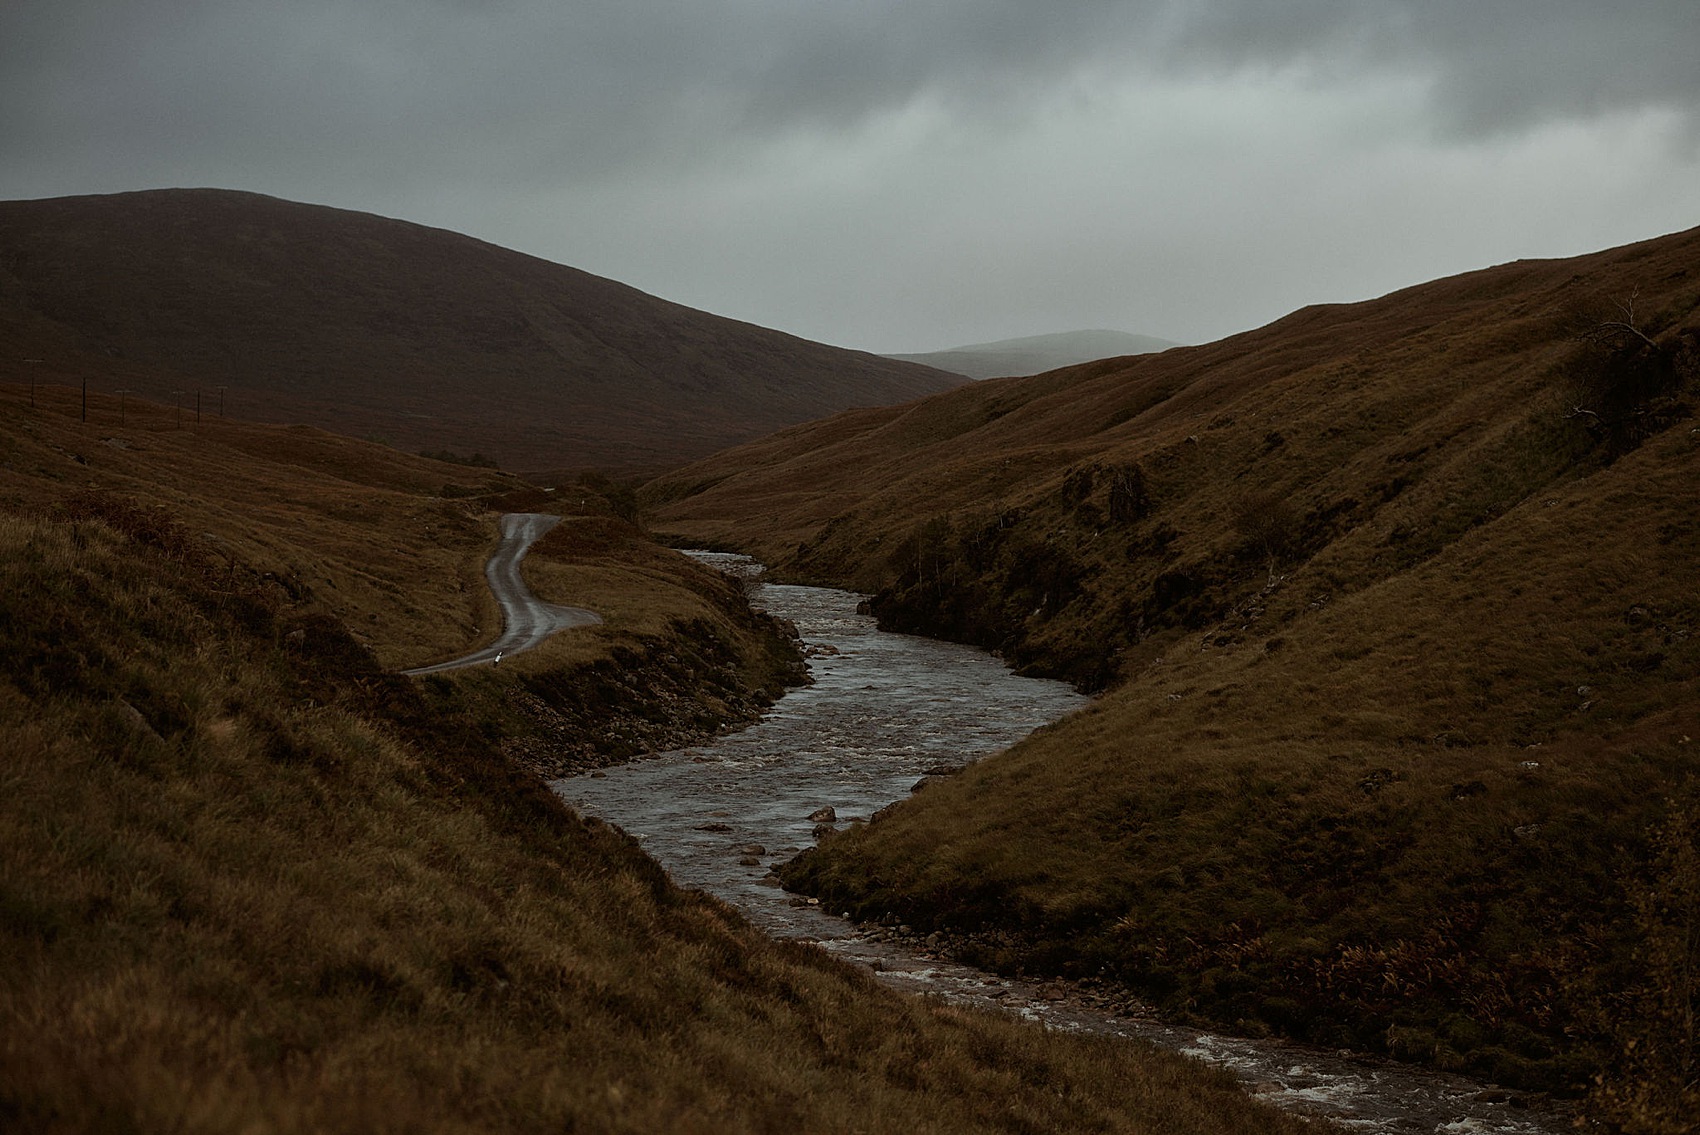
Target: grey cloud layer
{"x":570,"y":91}
{"x":901,"y":174}
{"x":1494,"y":65}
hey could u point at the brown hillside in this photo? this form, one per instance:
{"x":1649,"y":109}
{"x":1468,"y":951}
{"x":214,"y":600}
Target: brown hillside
{"x":1394,"y":605}
{"x":1475,"y":347}
{"x":378,"y":328}
{"x":251,"y":879}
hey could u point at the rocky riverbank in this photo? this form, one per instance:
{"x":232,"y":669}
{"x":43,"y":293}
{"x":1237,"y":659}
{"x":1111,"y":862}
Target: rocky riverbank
{"x":665,"y":694}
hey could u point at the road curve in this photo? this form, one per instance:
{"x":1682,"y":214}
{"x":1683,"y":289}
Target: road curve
{"x":526,"y":619}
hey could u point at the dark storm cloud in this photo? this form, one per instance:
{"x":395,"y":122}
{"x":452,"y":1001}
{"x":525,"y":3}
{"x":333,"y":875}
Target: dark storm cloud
{"x":1493,"y":65}
{"x":901,"y":174}
{"x":418,"y":87}
{"x":551,"y":92}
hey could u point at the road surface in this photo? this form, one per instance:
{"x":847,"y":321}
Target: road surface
{"x":526,"y":619}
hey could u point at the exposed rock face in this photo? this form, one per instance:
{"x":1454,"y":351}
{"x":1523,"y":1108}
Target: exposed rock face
{"x":657,"y":699}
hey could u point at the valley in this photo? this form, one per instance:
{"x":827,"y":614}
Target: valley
{"x":251,"y":877}
{"x":1386,"y":610}
{"x":957,"y":568}
{"x":1391,"y":609}
{"x":889,"y":716}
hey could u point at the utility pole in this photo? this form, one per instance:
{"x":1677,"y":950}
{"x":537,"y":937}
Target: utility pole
{"x":197,"y":408}
{"x":177,"y":400}
{"x":27,"y":363}
{"x":123,"y":399}
{"x":85,"y":397}
{"x":221,"y":391}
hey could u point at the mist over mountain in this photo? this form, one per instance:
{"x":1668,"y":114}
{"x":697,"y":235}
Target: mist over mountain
{"x":1035,"y":354}
{"x":416,"y":336}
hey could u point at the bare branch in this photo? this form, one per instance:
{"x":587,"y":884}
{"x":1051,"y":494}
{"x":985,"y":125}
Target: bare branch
{"x":1609,"y":329}
{"x":1613,"y":327}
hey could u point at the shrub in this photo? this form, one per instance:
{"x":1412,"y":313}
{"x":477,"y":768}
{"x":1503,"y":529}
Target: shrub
{"x":1267,"y":524}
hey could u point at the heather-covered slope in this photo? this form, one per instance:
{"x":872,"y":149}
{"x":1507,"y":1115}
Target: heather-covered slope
{"x":392,"y":547}
{"x":378,"y":328}
{"x":1394,"y":608}
{"x":252,"y":879}
{"x":249,"y":882}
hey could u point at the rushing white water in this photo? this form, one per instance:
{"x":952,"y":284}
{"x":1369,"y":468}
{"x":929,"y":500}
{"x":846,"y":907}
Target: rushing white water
{"x":883,"y":710}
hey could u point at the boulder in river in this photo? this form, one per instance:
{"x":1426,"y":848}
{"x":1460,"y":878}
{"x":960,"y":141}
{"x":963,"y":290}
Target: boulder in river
{"x":826,"y":815}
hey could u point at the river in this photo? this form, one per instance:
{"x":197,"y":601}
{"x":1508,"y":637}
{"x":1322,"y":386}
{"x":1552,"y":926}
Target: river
{"x":883,"y":710}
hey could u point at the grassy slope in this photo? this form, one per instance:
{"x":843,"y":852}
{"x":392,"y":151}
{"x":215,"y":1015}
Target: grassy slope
{"x":1338,"y":575}
{"x":376,"y":327}
{"x":250,"y":880}
{"x":391,"y":544}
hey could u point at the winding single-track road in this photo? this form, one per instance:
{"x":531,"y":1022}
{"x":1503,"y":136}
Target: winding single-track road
{"x":526,"y":619}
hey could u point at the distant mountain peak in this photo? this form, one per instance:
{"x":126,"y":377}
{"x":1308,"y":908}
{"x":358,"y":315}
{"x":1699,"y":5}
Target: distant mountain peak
{"x":1034,"y":354}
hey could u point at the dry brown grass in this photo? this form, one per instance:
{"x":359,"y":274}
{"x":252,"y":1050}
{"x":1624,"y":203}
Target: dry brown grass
{"x":391,"y":544}
{"x":360,"y":528}
{"x":249,"y":882}
{"x":1376,"y":552}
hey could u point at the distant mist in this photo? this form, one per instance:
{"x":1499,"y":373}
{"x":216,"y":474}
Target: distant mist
{"x":1035,"y":354}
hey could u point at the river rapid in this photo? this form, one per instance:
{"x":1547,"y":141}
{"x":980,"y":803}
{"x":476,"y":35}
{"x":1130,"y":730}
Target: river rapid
{"x":883,"y":711}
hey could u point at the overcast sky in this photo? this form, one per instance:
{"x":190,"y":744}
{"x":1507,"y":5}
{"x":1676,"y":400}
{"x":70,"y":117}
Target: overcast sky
{"x":903,"y":175}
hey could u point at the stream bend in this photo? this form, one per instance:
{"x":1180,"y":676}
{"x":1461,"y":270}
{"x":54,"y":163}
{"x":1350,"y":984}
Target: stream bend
{"x":884,"y":711}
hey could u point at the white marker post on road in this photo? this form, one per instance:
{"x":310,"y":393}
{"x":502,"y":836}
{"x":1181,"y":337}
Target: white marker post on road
{"x":526,"y":619}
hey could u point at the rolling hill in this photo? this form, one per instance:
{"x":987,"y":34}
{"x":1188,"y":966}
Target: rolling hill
{"x":378,"y":328}
{"x":1035,"y":354}
{"x":1393,"y":610}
